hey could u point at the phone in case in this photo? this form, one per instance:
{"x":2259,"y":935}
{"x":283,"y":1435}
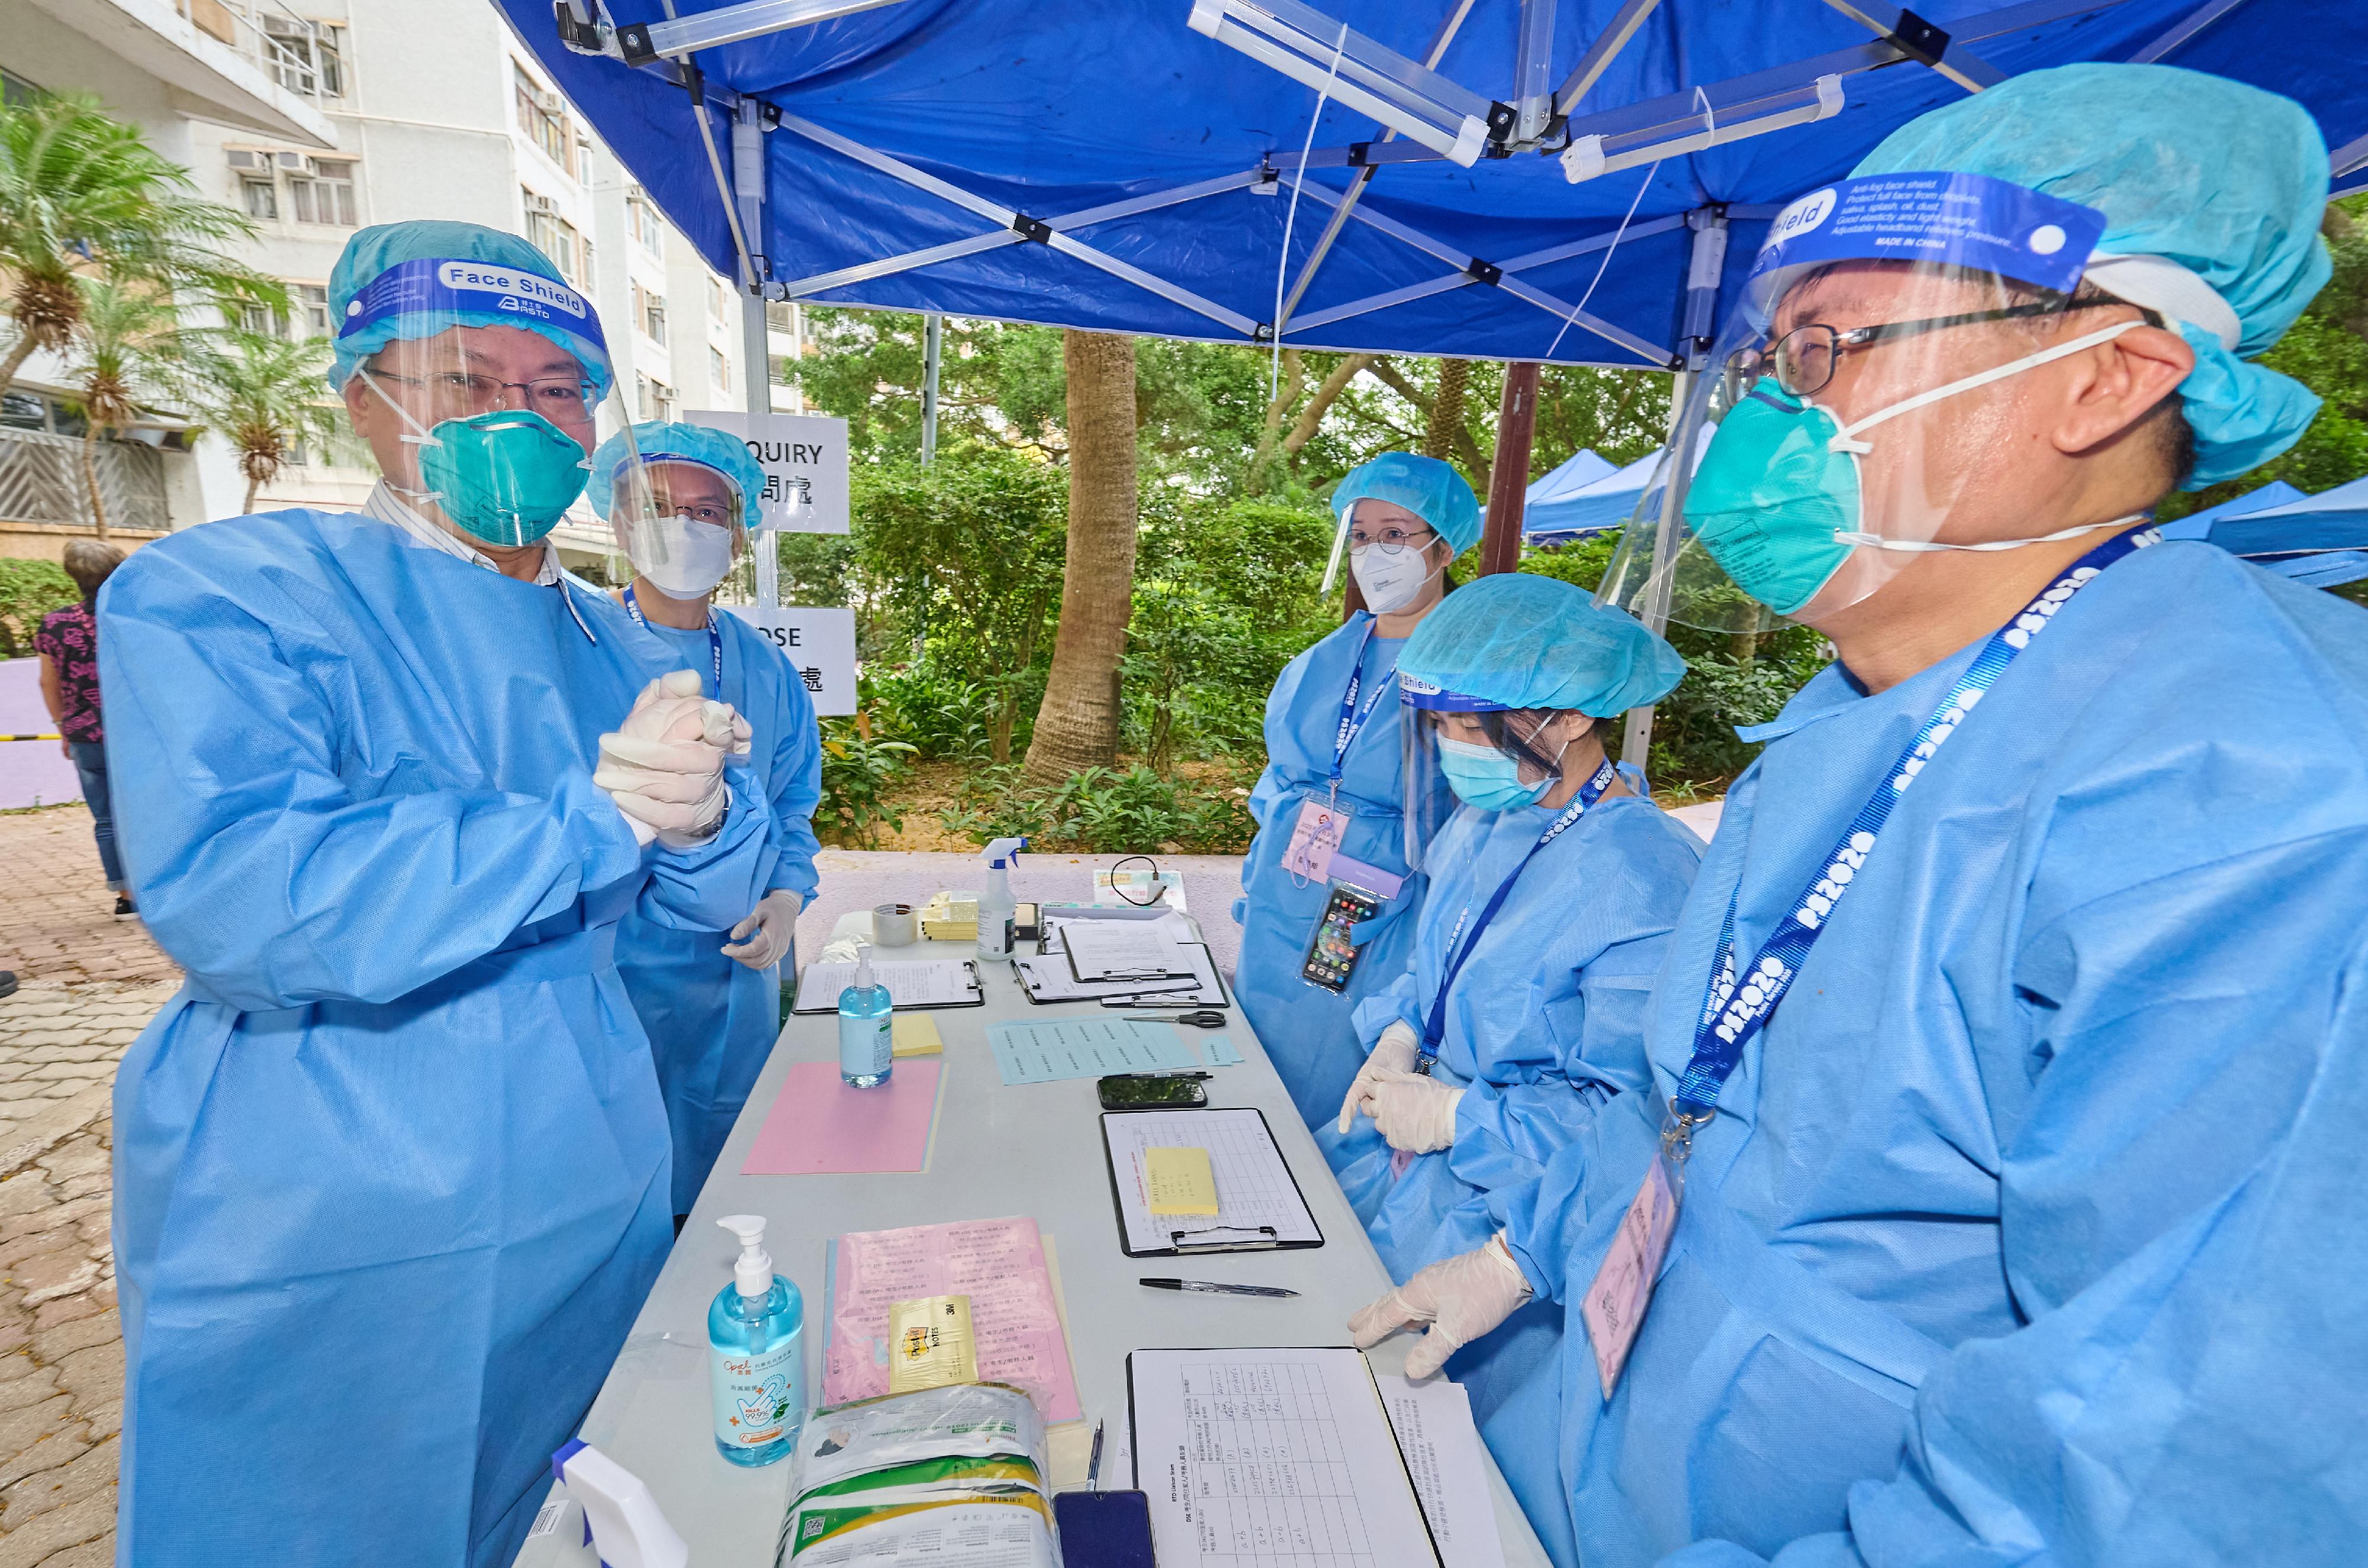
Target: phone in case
{"x":1331,"y":957}
{"x":1104,"y":1529}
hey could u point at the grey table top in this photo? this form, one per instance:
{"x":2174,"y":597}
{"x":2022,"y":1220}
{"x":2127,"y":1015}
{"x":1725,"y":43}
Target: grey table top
{"x":996,"y":1151}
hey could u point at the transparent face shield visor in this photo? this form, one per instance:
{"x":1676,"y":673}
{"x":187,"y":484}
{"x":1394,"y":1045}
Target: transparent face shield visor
{"x":1461,"y":753}
{"x":1856,"y":407}
{"x":681,"y":524}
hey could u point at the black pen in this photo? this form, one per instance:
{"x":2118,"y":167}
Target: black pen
{"x":1214,"y":1289}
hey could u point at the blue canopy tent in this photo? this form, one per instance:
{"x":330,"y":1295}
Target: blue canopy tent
{"x":2319,"y":540}
{"x":1545,"y":505}
{"x":2198,"y":525}
{"x":1109,"y":167}
{"x":1607,"y":501}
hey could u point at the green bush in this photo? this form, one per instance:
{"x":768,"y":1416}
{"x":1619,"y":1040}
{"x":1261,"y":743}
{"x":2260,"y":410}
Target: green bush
{"x":29,"y":590}
{"x":1106,"y":811}
{"x":857,"y":774}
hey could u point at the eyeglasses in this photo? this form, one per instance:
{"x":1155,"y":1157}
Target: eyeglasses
{"x":1388,"y":541}
{"x":562,"y":400}
{"x":701,"y":512}
{"x":1804,"y":359}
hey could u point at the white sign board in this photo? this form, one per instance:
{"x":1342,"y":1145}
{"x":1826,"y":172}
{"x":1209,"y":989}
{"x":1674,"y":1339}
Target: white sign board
{"x":820,"y":642}
{"x":804,"y":459}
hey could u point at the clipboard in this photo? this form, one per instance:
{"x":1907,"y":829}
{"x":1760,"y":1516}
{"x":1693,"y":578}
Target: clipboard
{"x":1135,"y":993}
{"x":1134,"y":1423}
{"x":1195,"y":1239}
{"x":976,"y":997}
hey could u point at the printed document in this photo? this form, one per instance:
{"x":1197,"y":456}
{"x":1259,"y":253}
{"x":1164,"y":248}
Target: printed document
{"x":1254,"y":1189}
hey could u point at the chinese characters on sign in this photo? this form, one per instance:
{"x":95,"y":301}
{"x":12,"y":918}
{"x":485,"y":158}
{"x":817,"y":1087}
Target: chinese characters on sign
{"x":804,"y":459}
{"x":820,"y":642}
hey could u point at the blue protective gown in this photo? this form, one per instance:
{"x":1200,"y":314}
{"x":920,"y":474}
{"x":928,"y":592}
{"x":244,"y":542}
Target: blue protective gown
{"x":712,"y":1022}
{"x":1307,"y":1029}
{"x":1544,"y":1024}
{"x":2028,"y":1230}
{"x":390,"y":1171}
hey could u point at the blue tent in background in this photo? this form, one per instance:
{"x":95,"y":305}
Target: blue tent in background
{"x":2198,"y":525}
{"x":2319,"y":540}
{"x":1606,"y":502}
{"x":1551,"y":497}
{"x":1130,"y":165}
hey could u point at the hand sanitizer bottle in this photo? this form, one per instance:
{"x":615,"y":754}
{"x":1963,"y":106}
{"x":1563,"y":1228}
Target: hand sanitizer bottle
{"x":756,"y":1354}
{"x":867,"y":1050}
{"x":995,"y":908}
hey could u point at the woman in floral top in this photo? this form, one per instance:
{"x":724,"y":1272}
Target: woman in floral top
{"x":68,"y":643}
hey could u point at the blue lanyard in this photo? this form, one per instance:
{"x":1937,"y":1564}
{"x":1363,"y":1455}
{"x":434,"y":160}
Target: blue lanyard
{"x":1352,"y":722}
{"x":1435,"y":1030}
{"x":1737,"y":1006}
{"x":714,"y":638}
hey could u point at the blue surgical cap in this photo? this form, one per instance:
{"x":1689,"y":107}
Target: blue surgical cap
{"x":2225,"y":181}
{"x":1526,"y":641}
{"x":672,"y":441}
{"x":1424,"y":486}
{"x":428,"y":297}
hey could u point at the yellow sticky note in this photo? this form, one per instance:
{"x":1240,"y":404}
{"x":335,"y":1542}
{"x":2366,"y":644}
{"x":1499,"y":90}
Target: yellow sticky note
{"x":930,"y":1343}
{"x":914,"y":1034}
{"x":1180,"y":1182}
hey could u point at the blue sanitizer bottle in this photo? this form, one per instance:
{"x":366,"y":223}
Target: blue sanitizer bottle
{"x":757,"y":1354}
{"x":867,"y":1050}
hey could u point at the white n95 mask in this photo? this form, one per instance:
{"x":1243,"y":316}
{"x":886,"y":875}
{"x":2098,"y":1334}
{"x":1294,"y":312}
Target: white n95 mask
{"x":1391,"y":581}
{"x":682,"y":558}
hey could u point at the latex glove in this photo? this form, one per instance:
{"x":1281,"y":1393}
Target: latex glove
{"x":1413,"y":1113}
{"x":664,"y":767}
{"x":770,"y":928}
{"x":1393,"y":1052}
{"x":1461,"y":1297}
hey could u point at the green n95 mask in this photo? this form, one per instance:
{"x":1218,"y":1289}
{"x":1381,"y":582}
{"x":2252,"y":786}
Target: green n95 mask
{"x":507,"y":476}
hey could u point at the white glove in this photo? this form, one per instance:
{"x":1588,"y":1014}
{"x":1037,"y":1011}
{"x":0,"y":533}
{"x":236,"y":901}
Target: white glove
{"x":1461,"y":1297}
{"x":664,"y":767}
{"x":770,"y":928}
{"x":1415,"y":1113}
{"x":1393,"y":1052}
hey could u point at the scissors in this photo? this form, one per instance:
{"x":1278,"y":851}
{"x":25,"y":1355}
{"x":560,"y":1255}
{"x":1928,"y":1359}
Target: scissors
{"x":1205,"y":1018}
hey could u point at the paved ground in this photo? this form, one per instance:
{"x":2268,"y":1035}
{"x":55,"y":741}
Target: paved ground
{"x":87,"y":985}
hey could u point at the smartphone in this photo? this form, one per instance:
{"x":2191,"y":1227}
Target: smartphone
{"x":1127,"y":1091}
{"x":1331,"y":957}
{"x":1103,"y":1530}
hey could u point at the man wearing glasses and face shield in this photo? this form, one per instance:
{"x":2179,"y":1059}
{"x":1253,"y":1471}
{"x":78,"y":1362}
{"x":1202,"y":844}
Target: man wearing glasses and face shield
{"x":391,"y":1172}
{"x":1997,"y":1196}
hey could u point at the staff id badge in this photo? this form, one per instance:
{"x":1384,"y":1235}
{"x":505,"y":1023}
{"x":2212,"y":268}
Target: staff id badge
{"x":1623,"y":1287}
{"x":1316,"y":838}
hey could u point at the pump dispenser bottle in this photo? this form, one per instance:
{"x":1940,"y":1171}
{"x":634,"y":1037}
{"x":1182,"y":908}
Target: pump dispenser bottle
{"x":867,"y":1043}
{"x":756,"y":1354}
{"x":995,"y":908}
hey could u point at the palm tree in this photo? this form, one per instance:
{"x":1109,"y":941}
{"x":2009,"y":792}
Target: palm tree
{"x":266,"y":394}
{"x":81,"y":196}
{"x":127,"y":338}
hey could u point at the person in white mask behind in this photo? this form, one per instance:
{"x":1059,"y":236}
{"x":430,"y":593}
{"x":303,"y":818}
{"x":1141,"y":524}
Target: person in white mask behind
{"x":1329,"y":806}
{"x":684,"y":500}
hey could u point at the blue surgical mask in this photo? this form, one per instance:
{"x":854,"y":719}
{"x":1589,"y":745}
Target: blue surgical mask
{"x":507,"y":476}
{"x":1486,"y":777}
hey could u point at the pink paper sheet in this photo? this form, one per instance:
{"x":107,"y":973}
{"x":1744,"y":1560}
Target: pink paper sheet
{"x":998,"y":1263}
{"x":820,"y":1126}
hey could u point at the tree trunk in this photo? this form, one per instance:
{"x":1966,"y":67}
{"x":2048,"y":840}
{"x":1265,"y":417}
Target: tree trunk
{"x":247,"y":509}
{"x":90,"y":477}
{"x":1447,"y":409}
{"x":1077,"y":724}
{"x":19,"y":350}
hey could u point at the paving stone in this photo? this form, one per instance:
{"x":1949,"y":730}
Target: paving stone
{"x":86,"y":1518}
{"x":99,"y":1553}
{"x":47,"y":1452}
{"x":81,"y":1157}
{"x":87,"y":1473}
{"x":24,"y":1194}
{"x":50,"y":1275}
{"x":72,"y":1309}
{"x":52,"y":1345}
{"x":37,"y":1383}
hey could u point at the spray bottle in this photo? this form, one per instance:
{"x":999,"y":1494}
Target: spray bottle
{"x":867,"y":1049}
{"x":995,"y":908}
{"x":756,"y":1354}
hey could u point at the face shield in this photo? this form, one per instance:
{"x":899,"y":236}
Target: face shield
{"x":489,"y":428}
{"x":1859,"y":403}
{"x":682,"y":523}
{"x":1468,"y":751}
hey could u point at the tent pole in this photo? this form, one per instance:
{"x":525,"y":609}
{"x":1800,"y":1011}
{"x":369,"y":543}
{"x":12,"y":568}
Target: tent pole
{"x":755,"y":350}
{"x":1704,"y":264}
{"x":1508,"y":476}
{"x":933,"y":348}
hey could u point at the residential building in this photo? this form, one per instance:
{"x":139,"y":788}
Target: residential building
{"x":181,"y":72}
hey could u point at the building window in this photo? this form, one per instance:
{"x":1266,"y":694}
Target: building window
{"x":642,"y":219}
{"x":311,"y":304}
{"x":307,"y":57}
{"x":715,"y":296}
{"x":260,"y":196}
{"x":16,"y":92}
{"x":661,"y":399}
{"x":261,"y":320}
{"x":541,"y":117}
{"x":325,"y":194}
{"x":719,"y":368}
{"x":650,"y":315}
{"x":591,"y":278}
{"x":556,"y":237}
{"x":582,"y":161}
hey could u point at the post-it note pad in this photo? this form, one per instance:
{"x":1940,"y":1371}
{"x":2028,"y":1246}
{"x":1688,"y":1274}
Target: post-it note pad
{"x":915,"y":1034}
{"x":930,"y":1343}
{"x":1180,"y":1182}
